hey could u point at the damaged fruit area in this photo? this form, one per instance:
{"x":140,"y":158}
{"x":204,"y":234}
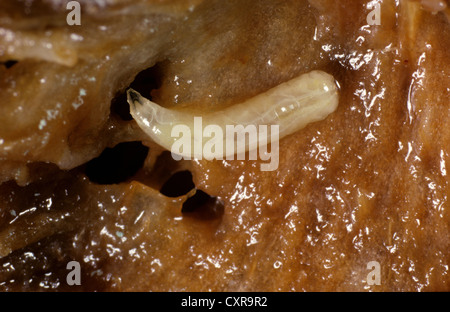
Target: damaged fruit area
{"x":84,"y":178}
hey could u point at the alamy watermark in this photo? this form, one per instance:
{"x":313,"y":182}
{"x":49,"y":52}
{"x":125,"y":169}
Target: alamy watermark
{"x":374,"y":16}
{"x":230,"y":142}
{"x":74,"y":16}
{"x":74,"y":276}
{"x":374,"y":276}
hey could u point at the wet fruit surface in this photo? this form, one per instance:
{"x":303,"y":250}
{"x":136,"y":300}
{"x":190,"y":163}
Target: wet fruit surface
{"x":369,"y":183}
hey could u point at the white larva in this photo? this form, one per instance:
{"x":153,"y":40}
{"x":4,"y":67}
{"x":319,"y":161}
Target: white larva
{"x":291,"y":105}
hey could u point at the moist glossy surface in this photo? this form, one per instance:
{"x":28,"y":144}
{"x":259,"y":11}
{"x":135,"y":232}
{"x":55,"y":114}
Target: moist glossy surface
{"x":369,"y":183}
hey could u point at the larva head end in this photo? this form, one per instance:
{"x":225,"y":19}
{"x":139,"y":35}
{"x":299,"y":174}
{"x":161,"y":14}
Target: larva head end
{"x":133,"y":97}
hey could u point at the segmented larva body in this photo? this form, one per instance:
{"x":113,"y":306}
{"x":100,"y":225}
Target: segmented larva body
{"x":291,"y":105}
